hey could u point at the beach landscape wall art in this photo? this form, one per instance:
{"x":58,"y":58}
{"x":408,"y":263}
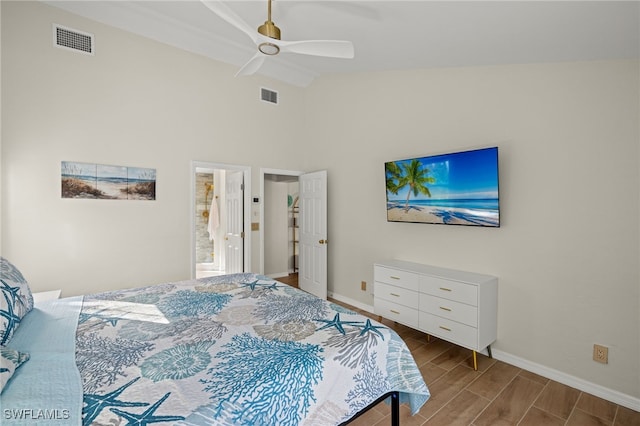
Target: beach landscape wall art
{"x":100,"y":181}
{"x":459,"y":188}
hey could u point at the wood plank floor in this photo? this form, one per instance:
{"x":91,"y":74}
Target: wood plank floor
{"x":496,"y":394}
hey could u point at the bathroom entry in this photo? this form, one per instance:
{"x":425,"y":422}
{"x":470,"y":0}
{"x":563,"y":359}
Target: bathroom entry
{"x":220,"y":215}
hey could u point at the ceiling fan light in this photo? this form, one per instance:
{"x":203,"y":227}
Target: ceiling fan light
{"x":269,"y":48}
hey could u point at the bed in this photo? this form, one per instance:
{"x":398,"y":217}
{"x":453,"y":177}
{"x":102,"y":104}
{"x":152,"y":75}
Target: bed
{"x":237,"y":349}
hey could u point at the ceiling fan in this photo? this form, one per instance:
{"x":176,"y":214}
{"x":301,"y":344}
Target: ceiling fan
{"x":267,"y":39}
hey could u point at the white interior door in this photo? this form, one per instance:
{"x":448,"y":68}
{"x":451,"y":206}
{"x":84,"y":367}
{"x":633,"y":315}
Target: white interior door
{"x":312,"y":275}
{"x":234,"y":236}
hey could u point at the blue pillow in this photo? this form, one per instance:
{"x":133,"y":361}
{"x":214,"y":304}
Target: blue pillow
{"x":16,"y":299}
{"x":10,"y":360}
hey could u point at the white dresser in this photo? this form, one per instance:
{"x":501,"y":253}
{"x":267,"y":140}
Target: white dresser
{"x":456,"y":306}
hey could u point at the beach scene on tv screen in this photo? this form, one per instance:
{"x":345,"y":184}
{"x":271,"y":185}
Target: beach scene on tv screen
{"x":454,"y":189}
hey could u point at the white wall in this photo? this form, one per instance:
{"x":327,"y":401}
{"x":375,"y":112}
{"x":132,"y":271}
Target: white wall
{"x":567,"y":252}
{"x":135,"y":103}
{"x":566,"y":255}
{"x":0,"y":131}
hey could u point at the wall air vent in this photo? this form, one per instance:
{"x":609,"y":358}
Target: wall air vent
{"x":270,"y":96}
{"x":78,"y":41}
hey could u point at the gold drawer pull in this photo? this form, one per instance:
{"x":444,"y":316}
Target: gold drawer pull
{"x":445,"y":289}
{"x":394,"y":278}
{"x":393,"y":294}
{"x":395,"y":312}
{"x":445,"y":309}
{"x":445,"y":328}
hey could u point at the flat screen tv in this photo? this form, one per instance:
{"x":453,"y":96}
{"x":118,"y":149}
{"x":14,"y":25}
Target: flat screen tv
{"x":459,"y":188}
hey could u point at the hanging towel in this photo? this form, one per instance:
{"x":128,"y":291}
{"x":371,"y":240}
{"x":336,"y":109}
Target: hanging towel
{"x":214,"y":219}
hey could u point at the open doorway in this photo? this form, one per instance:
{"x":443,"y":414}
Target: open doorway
{"x":279,"y":233}
{"x":220,"y":206}
{"x":281,"y":220}
{"x":309,"y":227}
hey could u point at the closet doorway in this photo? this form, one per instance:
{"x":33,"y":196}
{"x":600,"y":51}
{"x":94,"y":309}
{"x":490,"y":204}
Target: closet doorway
{"x":280,"y":213}
{"x":294,"y":232}
{"x":220,"y":216}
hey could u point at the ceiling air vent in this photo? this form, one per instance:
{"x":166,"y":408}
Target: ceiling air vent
{"x":75,"y":40}
{"x":269,"y":96}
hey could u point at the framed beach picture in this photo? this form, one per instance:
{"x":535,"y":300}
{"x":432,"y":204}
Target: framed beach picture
{"x":99,"y":181}
{"x":459,"y":188}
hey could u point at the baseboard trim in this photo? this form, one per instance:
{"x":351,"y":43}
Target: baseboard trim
{"x":352,"y":302}
{"x":611,"y":395}
{"x":278,"y":275}
{"x":569,"y":380}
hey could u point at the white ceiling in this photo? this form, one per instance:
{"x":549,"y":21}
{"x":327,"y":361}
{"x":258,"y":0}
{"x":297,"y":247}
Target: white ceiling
{"x":388,"y":35}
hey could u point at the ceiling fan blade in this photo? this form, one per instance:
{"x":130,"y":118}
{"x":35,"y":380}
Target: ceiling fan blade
{"x":224,"y":12}
{"x":328,"y":48}
{"x":253,"y":65}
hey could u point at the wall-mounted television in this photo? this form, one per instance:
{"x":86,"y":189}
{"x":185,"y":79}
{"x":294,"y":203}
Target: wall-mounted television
{"x":459,"y":188}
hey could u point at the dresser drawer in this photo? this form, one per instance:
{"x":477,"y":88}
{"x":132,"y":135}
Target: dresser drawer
{"x":456,"y":306}
{"x":397,"y":277}
{"x":451,"y":290}
{"x":450,"y":331}
{"x":449,"y":309}
{"x":396,"y":312}
{"x":398,"y":295}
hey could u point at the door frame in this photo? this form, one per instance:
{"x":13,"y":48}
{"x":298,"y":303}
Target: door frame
{"x":246,"y":172}
{"x":263,"y":172}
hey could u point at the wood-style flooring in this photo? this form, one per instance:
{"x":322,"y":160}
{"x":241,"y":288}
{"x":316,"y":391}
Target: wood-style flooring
{"x":496,"y":394}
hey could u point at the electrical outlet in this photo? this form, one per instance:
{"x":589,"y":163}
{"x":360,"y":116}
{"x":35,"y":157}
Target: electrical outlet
{"x":601,"y":354}
{"x":363,"y":286}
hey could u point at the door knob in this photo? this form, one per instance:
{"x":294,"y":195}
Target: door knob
{"x":324,"y":241}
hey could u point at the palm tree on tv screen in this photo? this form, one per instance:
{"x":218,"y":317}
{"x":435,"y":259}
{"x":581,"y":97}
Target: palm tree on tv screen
{"x":394,"y":174}
{"x":416,"y":178}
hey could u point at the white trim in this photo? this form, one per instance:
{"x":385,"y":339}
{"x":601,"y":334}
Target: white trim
{"x":569,"y":380}
{"x":544,"y":371}
{"x":246,"y":170}
{"x":352,"y":302}
{"x":278,"y":275}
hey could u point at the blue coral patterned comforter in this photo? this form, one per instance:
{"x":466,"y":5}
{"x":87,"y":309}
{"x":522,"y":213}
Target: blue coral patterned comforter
{"x":234,"y":350}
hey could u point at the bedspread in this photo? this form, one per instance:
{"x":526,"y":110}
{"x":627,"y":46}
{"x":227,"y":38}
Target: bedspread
{"x":234,"y":350}
{"x":47,"y":389}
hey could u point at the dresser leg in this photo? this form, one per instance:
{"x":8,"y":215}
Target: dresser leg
{"x":475,"y":361}
{"x":489,"y":351}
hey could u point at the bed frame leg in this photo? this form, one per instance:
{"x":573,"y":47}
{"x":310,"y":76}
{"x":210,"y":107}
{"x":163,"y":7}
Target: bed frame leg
{"x":395,"y":409}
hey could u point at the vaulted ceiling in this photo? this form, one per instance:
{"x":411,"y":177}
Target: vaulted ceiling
{"x":387,"y":35}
